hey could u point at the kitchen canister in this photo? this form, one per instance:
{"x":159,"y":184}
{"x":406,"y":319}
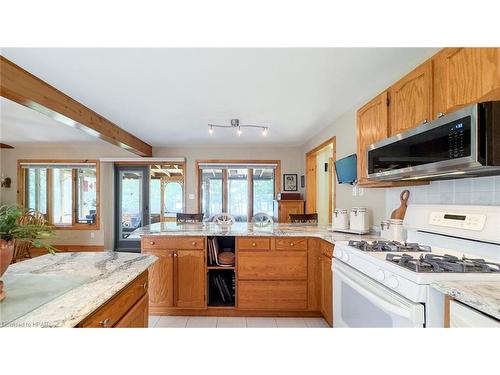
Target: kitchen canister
{"x":358,"y":219}
{"x":393,"y":230}
{"x":340,"y":219}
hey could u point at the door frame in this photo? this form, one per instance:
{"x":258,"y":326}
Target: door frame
{"x":311,"y":180}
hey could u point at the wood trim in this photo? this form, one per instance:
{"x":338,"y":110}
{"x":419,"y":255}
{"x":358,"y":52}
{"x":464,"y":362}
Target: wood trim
{"x":26,"y":89}
{"x":232,"y":311}
{"x":224,"y":190}
{"x":321,"y":146}
{"x":21,"y":187}
{"x":447,"y":300}
{"x":250,"y":194}
{"x":277,"y":177}
{"x":5,"y":145}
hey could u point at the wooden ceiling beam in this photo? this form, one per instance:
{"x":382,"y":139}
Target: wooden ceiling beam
{"x":24,"y":88}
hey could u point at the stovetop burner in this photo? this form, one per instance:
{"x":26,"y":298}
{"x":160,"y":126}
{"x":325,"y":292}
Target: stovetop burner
{"x":432,"y":263}
{"x":392,"y":246}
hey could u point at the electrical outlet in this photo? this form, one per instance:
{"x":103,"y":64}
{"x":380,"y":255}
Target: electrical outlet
{"x":191,"y":196}
{"x":361,"y":191}
{"x":92,"y":235}
{"x":354,"y":191}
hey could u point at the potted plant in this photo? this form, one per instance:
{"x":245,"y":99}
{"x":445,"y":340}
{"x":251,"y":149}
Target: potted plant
{"x":15,"y":225}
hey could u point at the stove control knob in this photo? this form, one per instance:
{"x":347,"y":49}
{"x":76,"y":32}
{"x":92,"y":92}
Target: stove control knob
{"x":345,"y":257}
{"x":393,"y":282}
{"x":380,"y":275}
{"x":338,"y":253}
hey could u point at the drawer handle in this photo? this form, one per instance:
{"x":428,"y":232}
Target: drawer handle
{"x":152,"y":243}
{"x":104,"y":322}
{"x":292,"y":244}
{"x":175,"y":254}
{"x":254,"y":244}
{"x":193,"y":243}
{"x":144,"y":286}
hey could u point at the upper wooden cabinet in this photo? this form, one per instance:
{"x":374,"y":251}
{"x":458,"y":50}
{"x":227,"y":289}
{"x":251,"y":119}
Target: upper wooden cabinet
{"x":372,"y":126}
{"x":464,"y":76}
{"x":411,"y":100}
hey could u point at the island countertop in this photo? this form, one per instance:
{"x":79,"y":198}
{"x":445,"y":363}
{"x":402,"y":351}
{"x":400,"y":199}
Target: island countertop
{"x":63,"y":289}
{"x":248,"y":229}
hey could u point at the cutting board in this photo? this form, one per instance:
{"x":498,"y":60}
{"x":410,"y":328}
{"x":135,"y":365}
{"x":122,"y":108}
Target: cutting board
{"x":400,"y":212}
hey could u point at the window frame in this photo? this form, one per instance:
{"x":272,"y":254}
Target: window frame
{"x":75,"y":225}
{"x":276,"y":164}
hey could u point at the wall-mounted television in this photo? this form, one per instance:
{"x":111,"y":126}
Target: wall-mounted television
{"x":346,"y":169}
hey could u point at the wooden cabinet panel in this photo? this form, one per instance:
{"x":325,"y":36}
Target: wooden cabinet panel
{"x":272,"y":265}
{"x":326,"y":288}
{"x":464,"y":76}
{"x":372,"y":126}
{"x":411,"y":100}
{"x":173,"y":243}
{"x":272,"y":295}
{"x":286,"y":207}
{"x":293,"y":243}
{"x":161,"y":279}
{"x":110,"y":313}
{"x":138,"y":316}
{"x":253,"y":243}
{"x":189,"y":283}
{"x":314,"y":274}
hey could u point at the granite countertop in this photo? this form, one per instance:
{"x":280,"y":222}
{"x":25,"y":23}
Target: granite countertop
{"x":481,"y":295}
{"x":63,"y":289}
{"x":248,"y":229}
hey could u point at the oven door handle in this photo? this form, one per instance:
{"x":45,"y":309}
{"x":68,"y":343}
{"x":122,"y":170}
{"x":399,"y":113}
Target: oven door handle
{"x":372,"y":294}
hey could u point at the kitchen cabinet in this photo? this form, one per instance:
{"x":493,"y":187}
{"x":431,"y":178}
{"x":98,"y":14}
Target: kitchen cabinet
{"x":128,"y":308}
{"x":464,"y":76}
{"x":372,"y":126}
{"x":326,"y":283}
{"x":283,"y":209}
{"x":178,"y":278}
{"x":272,"y":295}
{"x":410,"y":100}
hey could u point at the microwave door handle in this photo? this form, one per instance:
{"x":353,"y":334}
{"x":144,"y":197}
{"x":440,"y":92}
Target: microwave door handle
{"x":377,"y":299}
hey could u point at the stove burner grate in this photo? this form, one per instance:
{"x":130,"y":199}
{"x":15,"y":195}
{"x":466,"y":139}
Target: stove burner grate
{"x":389,"y":246}
{"x":443,"y":263}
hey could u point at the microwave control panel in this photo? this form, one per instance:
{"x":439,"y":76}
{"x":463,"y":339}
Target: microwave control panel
{"x":456,"y":141}
{"x":456,"y":220}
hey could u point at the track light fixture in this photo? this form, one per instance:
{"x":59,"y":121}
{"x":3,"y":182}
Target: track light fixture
{"x":235,"y":123}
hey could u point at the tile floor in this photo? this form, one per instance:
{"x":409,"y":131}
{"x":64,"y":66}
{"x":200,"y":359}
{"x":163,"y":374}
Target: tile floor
{"x":233,"y":322}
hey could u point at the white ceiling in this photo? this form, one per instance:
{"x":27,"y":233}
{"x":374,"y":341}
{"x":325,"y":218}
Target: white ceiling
{"x":22,"y":126}
{"x":168,"y":96}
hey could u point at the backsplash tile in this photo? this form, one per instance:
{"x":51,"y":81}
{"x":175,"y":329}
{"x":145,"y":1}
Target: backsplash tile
{"x":478,"y":190}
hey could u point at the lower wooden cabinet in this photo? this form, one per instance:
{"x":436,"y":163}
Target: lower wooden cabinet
{"x":272,"y":295}
{"x":326,"y":283}
{"x":177,"y":279}
{"x":283,"y":209}
{"x":272,"y":265}
{"x":128,"y":308}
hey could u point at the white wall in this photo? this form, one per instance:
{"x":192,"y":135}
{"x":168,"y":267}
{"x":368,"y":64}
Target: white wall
{"x":322,"y":193}
{"x":344,"y":129}
{"x":103,"y":236}
{"x":477,"y":191}
{"x":292,"y":160}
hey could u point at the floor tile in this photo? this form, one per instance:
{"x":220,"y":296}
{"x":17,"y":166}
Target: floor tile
{"x":153,"y":319}
{"x":172,"y":322}
{"x":202,"y":322}
{"x":316,"y":323}
{"x":290,"y":323}
{"x":231,"y":322}
{"x":261,"y":323}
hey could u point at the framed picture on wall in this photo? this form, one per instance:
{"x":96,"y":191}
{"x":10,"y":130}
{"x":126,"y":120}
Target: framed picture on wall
{"x":289,"y":182}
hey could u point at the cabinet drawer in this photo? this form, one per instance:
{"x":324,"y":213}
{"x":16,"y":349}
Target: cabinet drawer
{"x":292,"y":243}
{"x":272,"y":295}
{"x":253,"y":243}
{"x":137,"y":317}
{"x":174,"y":243}
{"x":272,"y":265}
{"x":110,"y":313}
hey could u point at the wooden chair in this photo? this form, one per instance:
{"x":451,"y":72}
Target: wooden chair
{"x":189,"y":218}
{"x":304,"y":218}
{"x":22,"y":247}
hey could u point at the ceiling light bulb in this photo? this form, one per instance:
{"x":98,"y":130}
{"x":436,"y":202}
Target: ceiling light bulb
{"x":211,"y":130}
{"x":264,"y":132}
{"x":239,"y":131}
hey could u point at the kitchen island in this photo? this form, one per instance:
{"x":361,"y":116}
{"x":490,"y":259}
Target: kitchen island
{"x":104,"y":289}
{"x":278,"y":270}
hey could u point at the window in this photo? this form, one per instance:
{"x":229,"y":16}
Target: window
{"x":239,"y":188}
{"x":65,"y":192}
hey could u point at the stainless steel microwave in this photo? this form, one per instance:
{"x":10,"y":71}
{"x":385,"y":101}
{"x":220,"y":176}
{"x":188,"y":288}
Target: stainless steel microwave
{"x":465,"y":143}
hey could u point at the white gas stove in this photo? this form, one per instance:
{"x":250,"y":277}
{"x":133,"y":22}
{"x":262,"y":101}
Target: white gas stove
{"x":384,"y":284}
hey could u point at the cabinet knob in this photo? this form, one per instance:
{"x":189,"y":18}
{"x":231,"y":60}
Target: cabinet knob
{"x":175,"y":254}
{"x":193,"y":243}
{"x":441,"y":114}
{"x":292,"y":244}
{"x":425,"y":121}
{"x":152,"y":243}
{"x":254,"y":244}
{"x":144,"y":286}
{"x":104,"y":323}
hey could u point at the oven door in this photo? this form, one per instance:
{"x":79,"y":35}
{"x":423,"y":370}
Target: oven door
{"x":364,"y":303}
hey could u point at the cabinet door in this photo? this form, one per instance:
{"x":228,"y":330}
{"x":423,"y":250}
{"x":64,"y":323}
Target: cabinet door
{"x":137,"y":316}
{"x":272,"y":295}
{"x":190,"y":280}
{"x":161,"y":279}
{"x":272,"y":265}
{"x":326,"y":289}
{"x":372,"y":126}
{"x":411,"y":99}
{"x":464,"y":76}
{"x":290,"y":207}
